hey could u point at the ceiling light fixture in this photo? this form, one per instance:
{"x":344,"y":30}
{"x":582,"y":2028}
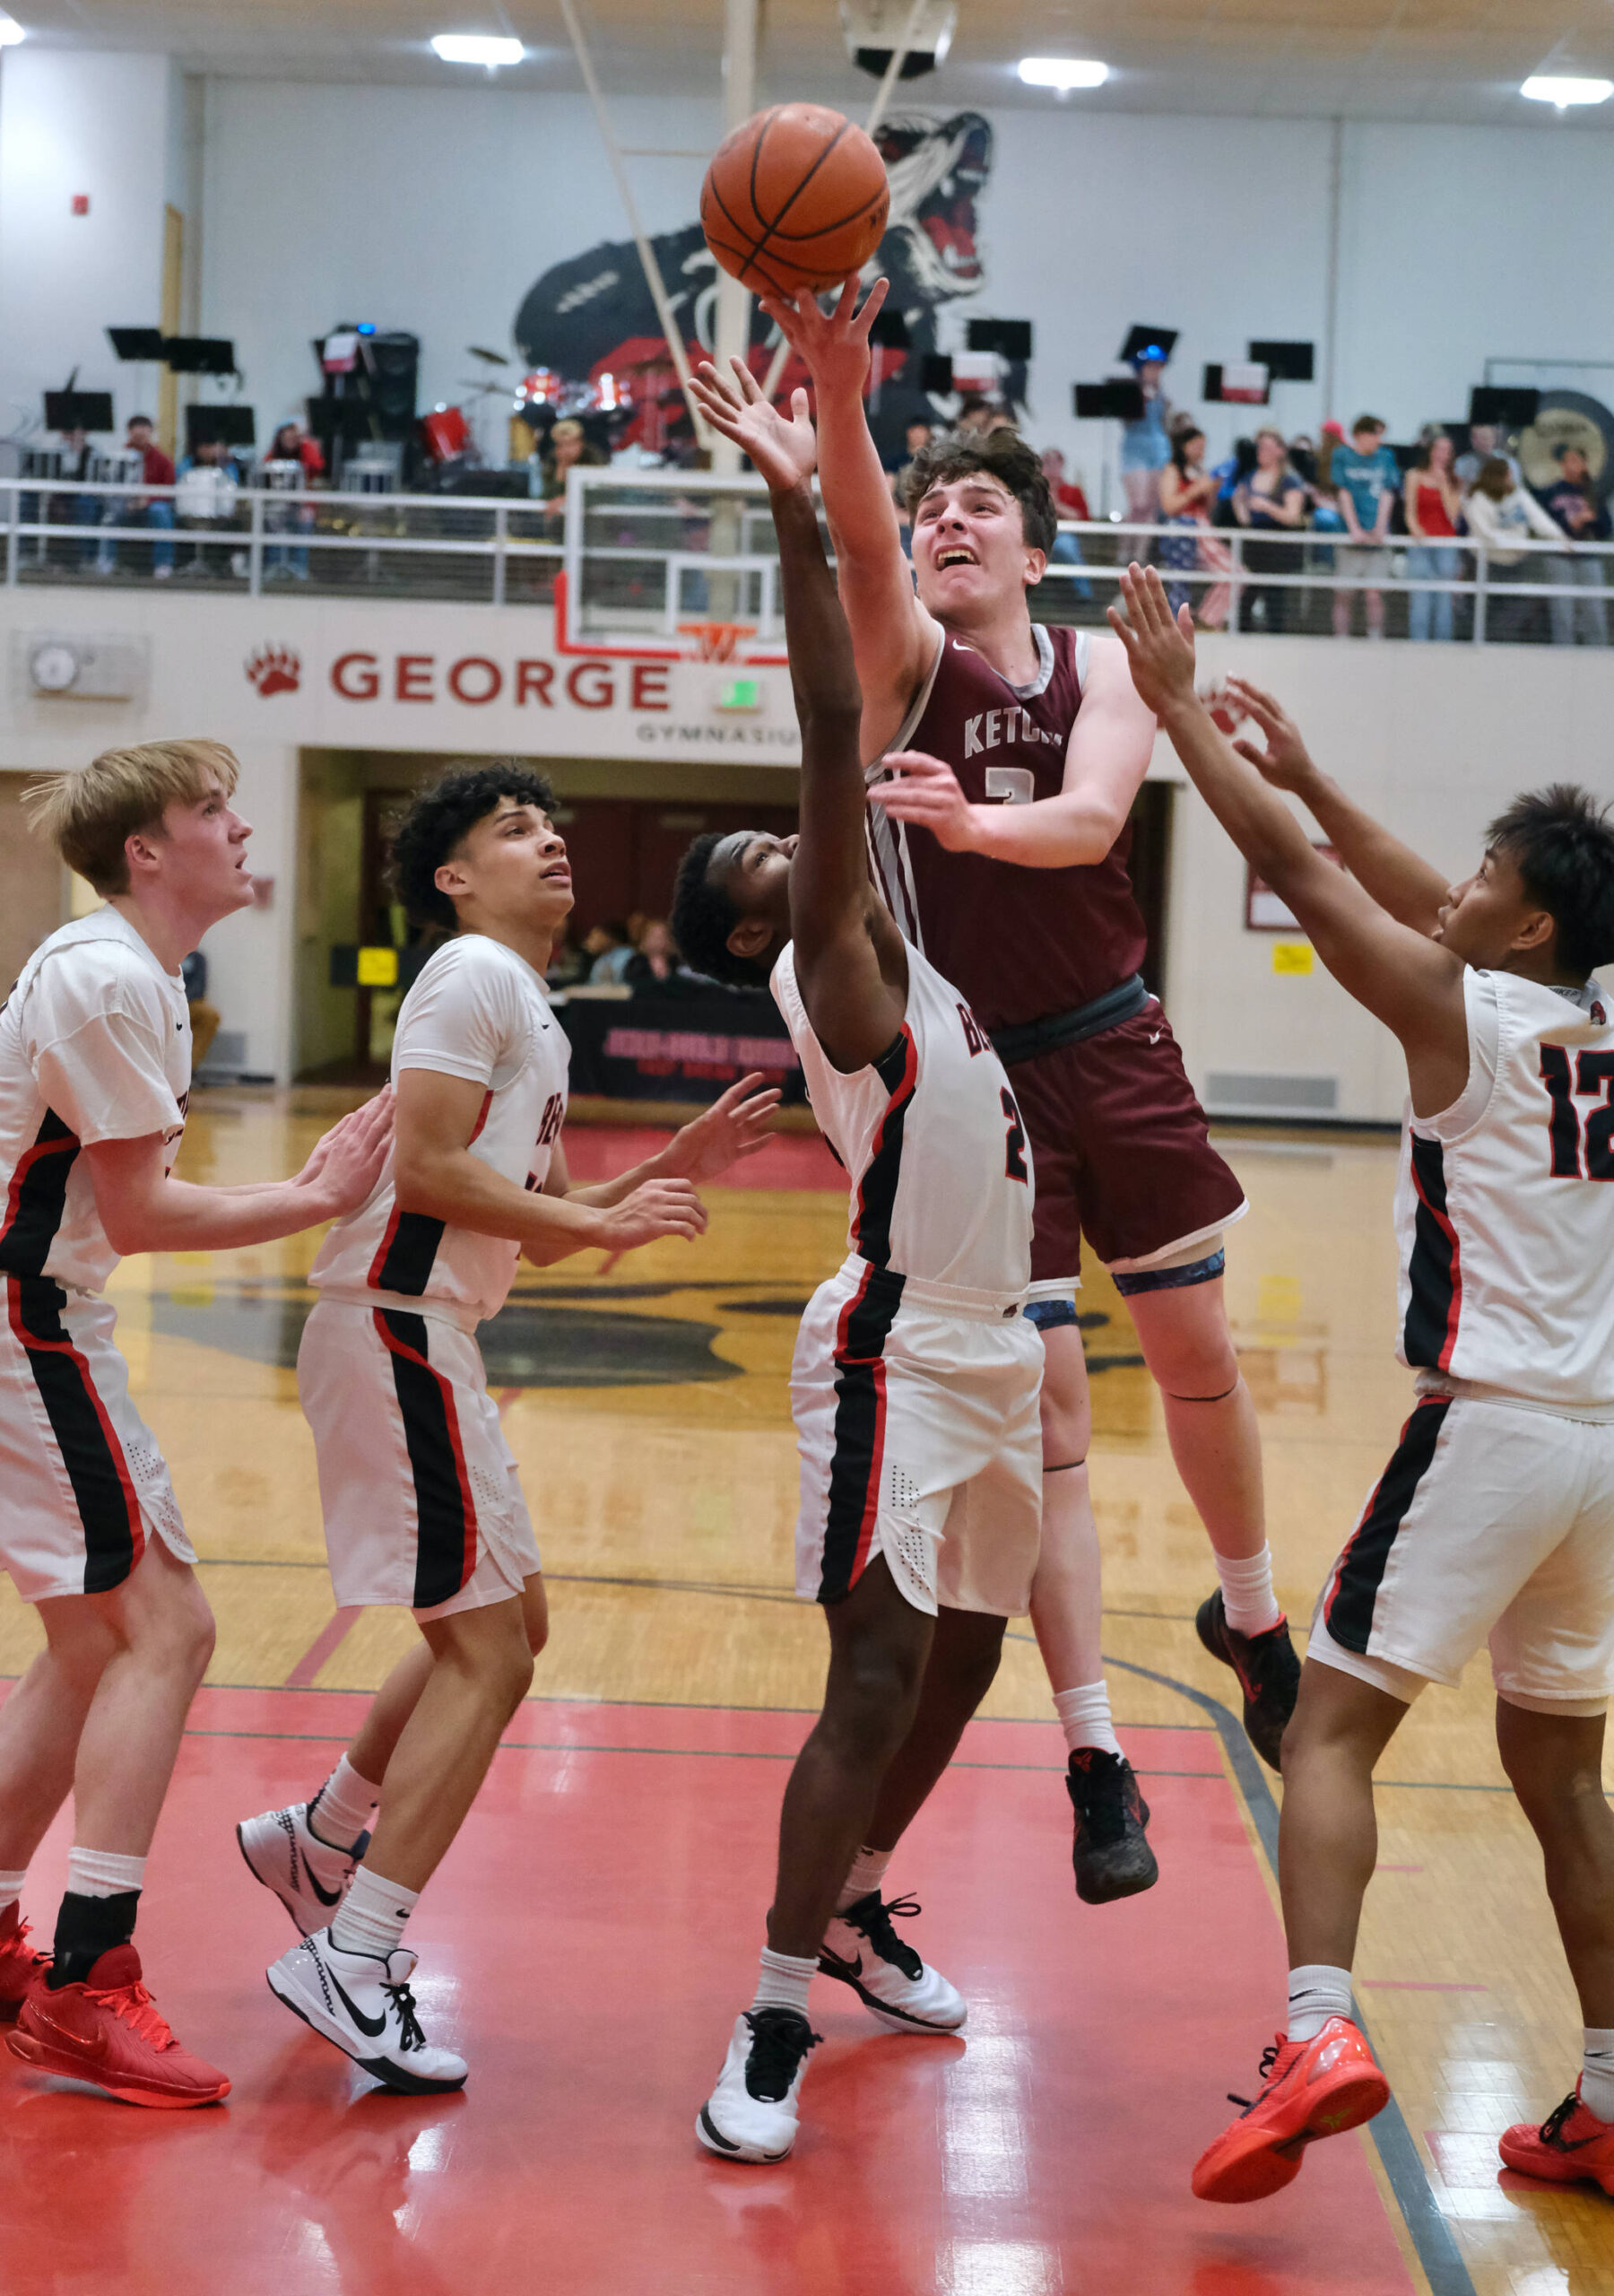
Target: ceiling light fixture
{"x":11,"y":31}
{"x":1063,"y":71}
{"x":472,"y":48}
{"x":1562,"y":92}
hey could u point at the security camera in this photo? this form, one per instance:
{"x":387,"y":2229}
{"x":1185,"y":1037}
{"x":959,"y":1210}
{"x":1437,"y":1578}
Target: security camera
{"x":874,"y":28}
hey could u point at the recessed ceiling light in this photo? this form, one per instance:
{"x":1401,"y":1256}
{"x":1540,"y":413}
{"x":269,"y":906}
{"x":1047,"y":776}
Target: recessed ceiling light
{"x":1560,"y":92}
{"x":472,"y":48}
{"x":1063,"y":71}
{"x":11,"y":31}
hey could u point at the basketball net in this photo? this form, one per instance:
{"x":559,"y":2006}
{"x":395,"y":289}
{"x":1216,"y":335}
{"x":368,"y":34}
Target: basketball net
{"x":715,"y":641}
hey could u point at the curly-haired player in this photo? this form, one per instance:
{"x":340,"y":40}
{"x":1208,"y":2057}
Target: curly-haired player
{"x":423,"y":1508}
{"x":1002,"y":760}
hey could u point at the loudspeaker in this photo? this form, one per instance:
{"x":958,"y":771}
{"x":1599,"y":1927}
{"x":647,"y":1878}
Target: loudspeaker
{"x":394,"y":377}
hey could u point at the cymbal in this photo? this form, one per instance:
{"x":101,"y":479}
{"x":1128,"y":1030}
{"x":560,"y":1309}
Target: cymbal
{"x":493,"y":358}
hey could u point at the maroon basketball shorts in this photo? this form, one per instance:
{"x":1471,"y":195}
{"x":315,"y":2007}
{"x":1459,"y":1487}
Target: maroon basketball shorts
{"x":1123,"y":1152}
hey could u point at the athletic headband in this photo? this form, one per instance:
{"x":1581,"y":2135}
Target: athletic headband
{"x":729,"y":850}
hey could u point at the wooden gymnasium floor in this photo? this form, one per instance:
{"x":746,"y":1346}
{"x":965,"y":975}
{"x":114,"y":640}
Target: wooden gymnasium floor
{"x":594,"y":1932}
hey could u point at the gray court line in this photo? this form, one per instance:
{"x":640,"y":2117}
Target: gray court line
{"x":1431,"y":2235}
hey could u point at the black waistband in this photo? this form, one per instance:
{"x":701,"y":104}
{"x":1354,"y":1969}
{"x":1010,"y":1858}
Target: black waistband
{"x":1055,"y":1029}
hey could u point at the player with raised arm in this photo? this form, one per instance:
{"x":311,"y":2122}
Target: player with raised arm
{"x":423,"y":1508}
{"x":1003,"y":759}
{"x":95,"y":1081}
{"x":1494,"y":1521}
{"x":915,"y":1375}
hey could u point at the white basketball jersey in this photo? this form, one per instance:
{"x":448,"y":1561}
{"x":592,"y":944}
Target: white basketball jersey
{"x":931,"y":1139}
{"x":94,"y":1046}
{"x":478,"y":1011}
{"x":1504,"y":1205}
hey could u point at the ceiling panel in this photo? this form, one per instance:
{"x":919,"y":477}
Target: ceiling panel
{"x":1449,"y":59}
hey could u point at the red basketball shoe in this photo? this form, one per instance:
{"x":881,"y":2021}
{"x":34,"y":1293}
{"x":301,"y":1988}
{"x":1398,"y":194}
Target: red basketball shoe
{"x":21,"y":1967}
{"x":109,"y":2031}
{"x":1312,"y":2088}
{"x":1570,"y":2144}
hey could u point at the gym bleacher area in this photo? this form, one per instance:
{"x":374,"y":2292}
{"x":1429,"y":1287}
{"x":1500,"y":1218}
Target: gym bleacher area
{"x":648,"y":551}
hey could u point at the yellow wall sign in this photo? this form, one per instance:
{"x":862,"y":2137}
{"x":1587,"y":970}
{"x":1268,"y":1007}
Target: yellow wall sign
{"x":379,"y":967}
{"x":1288,"y":956}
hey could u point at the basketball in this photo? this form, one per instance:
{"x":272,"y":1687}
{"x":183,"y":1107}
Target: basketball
{"x":795,"y":198}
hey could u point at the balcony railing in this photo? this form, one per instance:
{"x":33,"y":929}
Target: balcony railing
{"x":648,"y":553}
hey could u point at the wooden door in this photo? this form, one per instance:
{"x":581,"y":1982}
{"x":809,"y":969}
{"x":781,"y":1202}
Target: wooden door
{"x":33,"y":883}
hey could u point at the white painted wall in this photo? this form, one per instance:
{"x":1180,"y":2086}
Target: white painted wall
{"x":76,"y":121}
{"x":436,"y":209}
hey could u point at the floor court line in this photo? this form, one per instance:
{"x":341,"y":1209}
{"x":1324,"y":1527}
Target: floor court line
{"x":1048,"y":2151}
{"x":1431,"y":2235}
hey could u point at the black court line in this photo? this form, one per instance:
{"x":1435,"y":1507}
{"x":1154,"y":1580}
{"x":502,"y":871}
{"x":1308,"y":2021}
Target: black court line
{"x":1431,"y":2235}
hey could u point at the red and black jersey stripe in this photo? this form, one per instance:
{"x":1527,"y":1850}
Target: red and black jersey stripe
{"x":1348,"y":1604}
{"x":407,"y":1252}
{"x":103,"y":1488}
{"x":37,"y":1198}
{"x":897,"y":1069}
{"x":859,"y":1412}
{"x":1435,"y":1270}
{"x":445,"y":1510}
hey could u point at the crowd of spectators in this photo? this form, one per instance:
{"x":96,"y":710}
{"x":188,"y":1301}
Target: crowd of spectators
{"x":1415,"y":505}
{"x":636,"y":952}
{"x":1401,"y":512}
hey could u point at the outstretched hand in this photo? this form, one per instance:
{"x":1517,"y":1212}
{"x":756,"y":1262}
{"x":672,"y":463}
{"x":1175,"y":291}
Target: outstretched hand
{"x":1285,"y":761}
{"x":1159,"y":645}
{"x":346,"y":1162}
{"x":925,"y":790}
{"x":782,"y":446}
{"x":731,"y":1128}
{"x":836,"y":347}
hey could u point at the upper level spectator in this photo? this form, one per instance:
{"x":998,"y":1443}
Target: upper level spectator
{"x":1146,"y":443}
{"x":1577,"y":618}
{"x":1369,"y":479}
{"x":1188,"y":492}
{"x":1434,"y":504}
{"x":1484,"y":441}
{"x":157,"y":469}
{"x":1269,"y":498}
{"x":292,"y":443}
{"x":1504,"y":515}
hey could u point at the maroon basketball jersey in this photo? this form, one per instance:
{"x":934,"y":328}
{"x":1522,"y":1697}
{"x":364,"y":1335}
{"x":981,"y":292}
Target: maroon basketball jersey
{"x":1020,"y":944}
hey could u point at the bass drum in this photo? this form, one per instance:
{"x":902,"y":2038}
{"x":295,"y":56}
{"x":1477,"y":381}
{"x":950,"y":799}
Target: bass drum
{"x":1568,"y":419}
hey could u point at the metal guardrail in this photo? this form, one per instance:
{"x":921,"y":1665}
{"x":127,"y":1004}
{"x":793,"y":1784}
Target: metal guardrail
{"x":647,"y":549}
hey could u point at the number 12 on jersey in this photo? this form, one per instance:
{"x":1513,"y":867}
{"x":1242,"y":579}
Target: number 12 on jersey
{"x":1594,"y":1073}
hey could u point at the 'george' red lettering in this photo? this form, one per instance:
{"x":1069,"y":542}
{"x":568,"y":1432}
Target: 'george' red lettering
{"x":412,"y":681}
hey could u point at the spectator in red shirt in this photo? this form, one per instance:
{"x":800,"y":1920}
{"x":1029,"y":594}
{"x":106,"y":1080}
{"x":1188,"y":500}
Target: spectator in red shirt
{"x":1070,"y":502}
{"x":143,"y":511}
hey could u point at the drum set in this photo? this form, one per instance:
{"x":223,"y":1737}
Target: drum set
{"x":463,"y":438}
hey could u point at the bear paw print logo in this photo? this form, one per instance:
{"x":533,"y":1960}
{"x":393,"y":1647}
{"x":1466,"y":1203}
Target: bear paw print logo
{"x":274,"y":669}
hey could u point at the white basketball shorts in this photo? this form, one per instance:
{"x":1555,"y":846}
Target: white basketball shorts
{"x":916,"y":1410}
{"x":1494,"y":1521}
{"x":421,"y":1503}
{"x":82,"y":1484}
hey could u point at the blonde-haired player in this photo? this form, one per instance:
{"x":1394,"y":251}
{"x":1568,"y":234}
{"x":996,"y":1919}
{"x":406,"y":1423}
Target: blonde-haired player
{"x":94,"y":1078}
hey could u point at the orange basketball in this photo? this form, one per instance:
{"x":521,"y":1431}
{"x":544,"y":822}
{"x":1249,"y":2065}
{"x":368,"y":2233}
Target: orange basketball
{"x":795,"y":198}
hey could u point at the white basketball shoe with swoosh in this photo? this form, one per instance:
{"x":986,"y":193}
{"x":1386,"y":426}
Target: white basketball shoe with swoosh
{"x":862,"y":1949}
{"x":362,"y":2003}
{"x":310,"y":1877}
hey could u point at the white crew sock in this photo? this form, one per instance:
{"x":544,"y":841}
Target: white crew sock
{"x":1247,"y":1594}
{"x":1317,"y":1991}
{"x":867,"y":1873}
{"x":343,"y":1808}
{"x":783,"y":1981}
{"x":11,"y":1889}
{"x":102,"y":1874}
{"x":1084,"y":1716}
{"x":1597,"y":2069}
{"x":371,"y":1918}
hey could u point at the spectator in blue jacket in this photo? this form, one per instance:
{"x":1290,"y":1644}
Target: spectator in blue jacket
{"x":1369,"y":478}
